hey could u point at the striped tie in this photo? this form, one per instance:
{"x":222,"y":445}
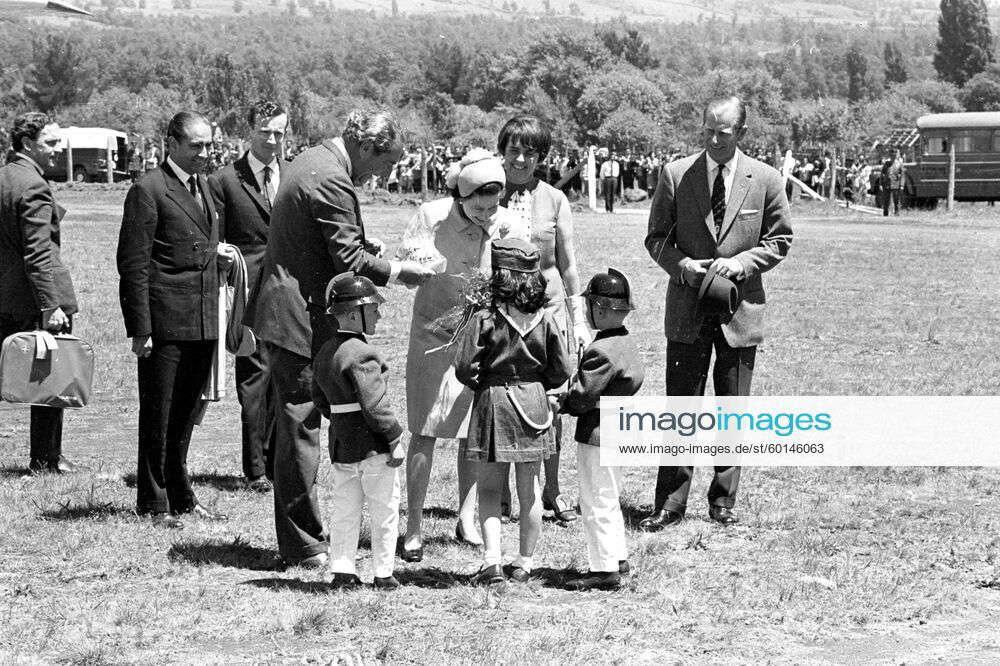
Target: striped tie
{"x":719,"y":200}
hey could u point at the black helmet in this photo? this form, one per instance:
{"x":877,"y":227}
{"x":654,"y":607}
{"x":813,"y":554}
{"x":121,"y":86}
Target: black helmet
{"x":348,"y":290}
{"x":611,"y":289}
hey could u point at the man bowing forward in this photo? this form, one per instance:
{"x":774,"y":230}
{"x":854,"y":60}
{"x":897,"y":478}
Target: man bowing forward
{"x":723,"y":211}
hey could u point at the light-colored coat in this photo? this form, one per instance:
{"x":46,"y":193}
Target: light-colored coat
{"x":756,"y":231}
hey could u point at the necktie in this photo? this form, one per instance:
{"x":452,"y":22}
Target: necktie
{"x":719,"y":200}
{"x":196,"y":193}
{"x":268,"y":190}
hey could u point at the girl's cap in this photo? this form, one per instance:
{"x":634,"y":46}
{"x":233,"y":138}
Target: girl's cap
{"x":514,"y":254}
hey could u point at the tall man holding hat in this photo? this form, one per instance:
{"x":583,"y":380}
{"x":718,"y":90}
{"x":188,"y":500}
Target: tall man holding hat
{"x":719,"y":220}
{"x":316,"y":233}
{"x":244,"y":193}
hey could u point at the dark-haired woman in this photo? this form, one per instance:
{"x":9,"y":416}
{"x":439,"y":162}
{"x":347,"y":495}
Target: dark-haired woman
{"x":543,"y":215}
{"x":510,"y":355}
{"x":454,"y":235}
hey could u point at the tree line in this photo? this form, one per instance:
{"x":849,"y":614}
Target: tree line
{"x":456,"y":78}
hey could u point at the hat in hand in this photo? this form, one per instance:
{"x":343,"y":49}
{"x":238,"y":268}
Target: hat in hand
{"x":514,"y":254}
{"x":718,"y":295}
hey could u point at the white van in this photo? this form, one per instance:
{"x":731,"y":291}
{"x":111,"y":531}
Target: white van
{"x":90,"y":146}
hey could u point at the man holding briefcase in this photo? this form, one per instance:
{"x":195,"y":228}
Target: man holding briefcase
{"x":35,"y":288}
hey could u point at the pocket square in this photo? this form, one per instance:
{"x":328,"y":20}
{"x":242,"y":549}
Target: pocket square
{"x":749,"y":211}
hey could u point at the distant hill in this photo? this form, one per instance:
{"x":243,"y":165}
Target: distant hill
{"x":860,"y":13}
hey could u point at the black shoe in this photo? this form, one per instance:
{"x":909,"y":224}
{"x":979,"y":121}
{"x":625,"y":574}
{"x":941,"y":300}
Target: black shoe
{"x":659,"y":520}
{"x":409,"y":555}
{"x":488,"y":575}
{"x":722,"y":515}
{"x":516,"y":573}
{"x":260,"y":484}
{"x":602,"y":580}
{"x":199,"y":511}
{"x":58,"y":465}
{"x":505,"y":514}
{"x":388,"y":583}
{"x":624,"y":567}
{"x":166,"y":520}
{"x":343,"y":581}
{"x":562,"y":508}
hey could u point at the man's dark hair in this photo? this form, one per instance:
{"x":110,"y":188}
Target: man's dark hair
{"x":183,"y":121}
{"x":741,"y":107}
{"x":27,"y":126}
{"x":527,"y":131}
{"x":525,"y":291}
{"x":264,"y":108}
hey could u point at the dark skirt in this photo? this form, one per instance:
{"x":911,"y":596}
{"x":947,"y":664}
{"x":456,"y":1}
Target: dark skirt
{"x":499,"y":433}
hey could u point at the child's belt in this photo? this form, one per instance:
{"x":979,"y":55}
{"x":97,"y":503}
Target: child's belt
{"x":345,"y":408}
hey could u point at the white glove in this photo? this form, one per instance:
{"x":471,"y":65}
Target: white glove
{"x":578,"y":313}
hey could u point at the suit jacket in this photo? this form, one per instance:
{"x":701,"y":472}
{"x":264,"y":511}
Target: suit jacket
{"x":316,"y":233}
{"x":756,"y":230}
{"x":610,"y":365}
{"x":347,"y":369}
{"x":32,"y":275}
{"x":167,"y":260}
{"x":244,"y":213}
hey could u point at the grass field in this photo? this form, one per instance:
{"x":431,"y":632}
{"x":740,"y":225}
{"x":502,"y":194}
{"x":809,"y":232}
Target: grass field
{"x":891,"y":565}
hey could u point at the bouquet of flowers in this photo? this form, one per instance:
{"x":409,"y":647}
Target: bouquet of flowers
{"x":475,"y":295}
{"x":426,"y":255}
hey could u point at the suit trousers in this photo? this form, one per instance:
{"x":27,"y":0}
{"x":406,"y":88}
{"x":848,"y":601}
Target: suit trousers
{"x":687,"y":374}
{"x":171,"y":380}
{"x":601,"y":510}
{"x":253,"y":390}
{"x":370,"y":482}
{"x":46,"y":422}
{"x":297,"y":519}
{"x":610,"y":184}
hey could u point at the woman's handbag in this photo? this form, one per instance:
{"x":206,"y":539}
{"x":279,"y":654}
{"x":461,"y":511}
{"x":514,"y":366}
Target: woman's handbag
{"x":39,"y":368}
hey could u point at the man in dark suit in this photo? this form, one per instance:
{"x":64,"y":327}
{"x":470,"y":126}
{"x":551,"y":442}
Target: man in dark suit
{"x":316,"y":233}
{"x":722,"y":208}
{"x":35,"y":288}
{"x":169,"y":290}
{"x":243,"y":193}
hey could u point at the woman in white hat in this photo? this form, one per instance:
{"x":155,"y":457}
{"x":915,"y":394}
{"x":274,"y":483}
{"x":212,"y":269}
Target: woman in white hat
{"x":453,"y":236}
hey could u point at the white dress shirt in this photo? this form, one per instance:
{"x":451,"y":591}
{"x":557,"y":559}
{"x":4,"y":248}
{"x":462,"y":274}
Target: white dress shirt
{"x":257,"y":167}
{"x":728,"y":174}
{"x":610,"y":169}
{"x":184,"y":176}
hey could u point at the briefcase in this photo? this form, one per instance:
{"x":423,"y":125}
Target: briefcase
{"x":38,"y":368}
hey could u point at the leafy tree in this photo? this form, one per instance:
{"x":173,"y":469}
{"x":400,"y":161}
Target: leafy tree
{"x":61,"y":72}
{"x":857,"y":73}
{"x":628,"y":129}
{"x":982,"y":91}
{"x":965,"y":42}
{"x":609,"y":91}
{"x":630,"y":47}
{"x":877,"y":118}
{"x":496,"y":79}
{"x":937,"y":96}
{"x":145,"y":113}
{"x":562,"y":62}
{"x":895,"y":66}
{"x":817,"y":122}
{"x":443,"y":69}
